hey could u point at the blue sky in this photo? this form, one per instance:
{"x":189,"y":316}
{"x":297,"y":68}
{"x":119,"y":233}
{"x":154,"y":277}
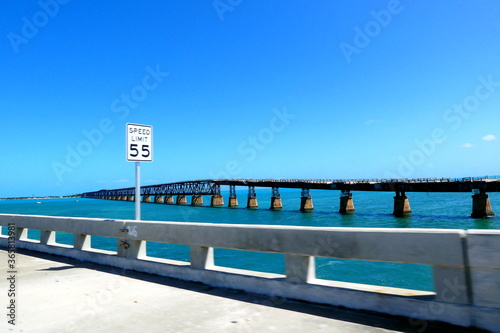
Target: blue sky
{"x":246,"y":89}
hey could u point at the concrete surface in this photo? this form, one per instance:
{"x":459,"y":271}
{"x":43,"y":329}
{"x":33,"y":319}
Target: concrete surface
{"x":56,"y":294}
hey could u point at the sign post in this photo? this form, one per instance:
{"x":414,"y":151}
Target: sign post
{"x":139,"y":149}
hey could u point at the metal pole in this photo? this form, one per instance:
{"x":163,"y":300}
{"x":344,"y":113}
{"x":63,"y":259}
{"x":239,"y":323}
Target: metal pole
{"x":138,"y":190}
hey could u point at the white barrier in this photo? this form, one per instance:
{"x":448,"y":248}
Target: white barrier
{"x":466,"y":264}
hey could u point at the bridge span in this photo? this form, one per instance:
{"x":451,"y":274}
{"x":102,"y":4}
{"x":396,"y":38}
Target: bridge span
{"x":164,"y":193}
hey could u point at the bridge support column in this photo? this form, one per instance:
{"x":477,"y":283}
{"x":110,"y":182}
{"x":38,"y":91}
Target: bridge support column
{"x":401,"y":205}
{"x":346,"y":203}
{"x":300,"y":269}
{"x":159,"y":199}
{"x":481,"y":206}
{"x":131,"y":198}
{"x":217,"y":200}
{"x":276,"y":203}
{"x":181,"y":200}
{"x":201,"y":257}
{"x":146,"y":198}
{"x":233,"y":200}
{"x":196,"y":200}
{"x":169,"y":199}
{"x":306,"y":202}
{"x":252,"y":198}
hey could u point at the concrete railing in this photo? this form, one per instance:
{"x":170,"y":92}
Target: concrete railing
{"x":466,"y":264}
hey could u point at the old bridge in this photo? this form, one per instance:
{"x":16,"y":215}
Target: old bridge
{"x":164,"y":193}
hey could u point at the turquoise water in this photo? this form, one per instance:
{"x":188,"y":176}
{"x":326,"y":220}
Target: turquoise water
{"x":373,"y":209}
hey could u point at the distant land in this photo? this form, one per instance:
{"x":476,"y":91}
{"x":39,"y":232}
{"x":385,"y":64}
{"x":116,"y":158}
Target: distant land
{"x":46,"y":197}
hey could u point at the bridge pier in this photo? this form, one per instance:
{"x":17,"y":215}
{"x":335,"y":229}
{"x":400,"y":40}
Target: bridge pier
{"x":159,"y":199}
{"x":276,"y":203}
{"x":181,"y":200}
{"x":401,"y":205}
{"x":233,"y":200}
{"x":169,"y":199}
{"x":481,"y":206}
{"x":217,"y":200}
{"x":252,"y":198}
{"x":306,"y":202}
{"x":131,"y":198}
{"x":196,"y":200}
{"x":346,"y":203}
{"x":146,"y":198}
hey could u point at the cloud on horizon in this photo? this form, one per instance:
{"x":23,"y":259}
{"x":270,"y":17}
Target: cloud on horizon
{"x":489,"y":137}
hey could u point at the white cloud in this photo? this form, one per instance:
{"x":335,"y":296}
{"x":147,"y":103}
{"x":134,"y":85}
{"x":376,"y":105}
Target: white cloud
{"x":119,"y":181}
{"x":467,"y":145}
{"x":489,"y":137}
{"x":372,"y":121}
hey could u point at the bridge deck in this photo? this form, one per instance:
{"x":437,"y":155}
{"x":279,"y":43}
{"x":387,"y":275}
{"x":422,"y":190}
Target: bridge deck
{"x":212,"y":186}
{"x":57,"y":294}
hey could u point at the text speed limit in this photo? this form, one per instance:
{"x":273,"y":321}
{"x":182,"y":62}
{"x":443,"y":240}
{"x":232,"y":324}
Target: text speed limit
{"x":139,"y":143}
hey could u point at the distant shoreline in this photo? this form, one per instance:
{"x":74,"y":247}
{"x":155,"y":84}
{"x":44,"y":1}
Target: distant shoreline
{"x":47,"y":197}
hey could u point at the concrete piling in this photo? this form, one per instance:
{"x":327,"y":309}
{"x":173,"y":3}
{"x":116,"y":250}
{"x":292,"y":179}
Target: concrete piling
{"x":481,"y":206}
{"x":276,"y":203}
{"x":401,"y":205}
{"x":181,"y":200}
{"x":217,"y":200}
{"x":346,"y":204}
{"x":252,"y":198}
{"x":233,"y":202}
{"x":306,"y":203}
{"x":196,"y":200}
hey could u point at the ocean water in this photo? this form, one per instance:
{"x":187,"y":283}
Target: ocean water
{"x":373,"y":210}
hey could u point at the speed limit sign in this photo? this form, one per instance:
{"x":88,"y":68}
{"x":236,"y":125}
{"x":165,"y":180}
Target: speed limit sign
{"x":139,"y":143}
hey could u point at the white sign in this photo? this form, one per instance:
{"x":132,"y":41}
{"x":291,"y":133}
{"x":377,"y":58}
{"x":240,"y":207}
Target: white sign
{"x":139,"y":143}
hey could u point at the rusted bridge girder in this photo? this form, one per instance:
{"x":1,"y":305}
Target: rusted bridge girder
{"x":201,"y":187}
